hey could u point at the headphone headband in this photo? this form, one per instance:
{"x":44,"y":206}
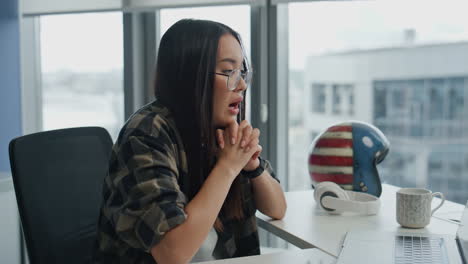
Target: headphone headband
{"x":333,"y":199}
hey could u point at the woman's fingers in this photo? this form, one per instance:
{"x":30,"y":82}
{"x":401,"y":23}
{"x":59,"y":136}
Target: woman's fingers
{"x":233,"y":129}
{"x":249,"y":133}
{"x":246,"y":137}
{"x":253,"y":140}
{"x":242,"y":129}
{"x":220,"y":137}
{"x":242,"y":132}
{"x":252,"y":145}
{"x":257,"y":152}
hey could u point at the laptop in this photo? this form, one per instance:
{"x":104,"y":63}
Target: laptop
{"x":406,"y":247}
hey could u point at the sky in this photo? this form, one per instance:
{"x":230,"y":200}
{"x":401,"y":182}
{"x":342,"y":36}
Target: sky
{"x":90,"y":42}
{"x":316,"y":28}
{"x":94,"y":41}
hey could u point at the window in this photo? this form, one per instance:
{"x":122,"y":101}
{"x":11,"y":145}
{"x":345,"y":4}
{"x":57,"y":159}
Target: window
{"x":456,"y":98}
{"x":446,"y":174}
{"x":343,"y":99}
{"x":436,"y":90}
{"x":386,"y":70}
{"x":398,"y":96}
{"x":436,"y":95}
{"x":380,"y":101}
{"x":318,"y":98}
{"x":237,"y":17}
{"x":296,"y":99}
{"x":313,"y":135}
{"x":82,"y":71}
{"x":350,"y":91}
{"x":417,"y":97}
{"x":336,"y":93}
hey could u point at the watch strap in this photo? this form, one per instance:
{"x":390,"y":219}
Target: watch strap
{"x":257,"y":172}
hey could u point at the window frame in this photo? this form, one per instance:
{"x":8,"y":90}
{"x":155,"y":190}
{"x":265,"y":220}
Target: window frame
{"x":269,"y":44}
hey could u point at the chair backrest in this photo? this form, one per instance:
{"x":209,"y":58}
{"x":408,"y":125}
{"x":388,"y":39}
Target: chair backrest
{"x":58,"y":177}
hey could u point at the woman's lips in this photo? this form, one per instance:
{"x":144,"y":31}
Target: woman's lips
{"x":234,"y":105}
{"x":234,"y":109}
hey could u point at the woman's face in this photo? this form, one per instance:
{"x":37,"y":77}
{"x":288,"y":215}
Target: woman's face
{"x":226,"y":103}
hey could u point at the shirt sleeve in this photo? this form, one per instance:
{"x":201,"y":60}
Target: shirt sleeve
{"x":270,"y":170}
{"x":151,"y":201}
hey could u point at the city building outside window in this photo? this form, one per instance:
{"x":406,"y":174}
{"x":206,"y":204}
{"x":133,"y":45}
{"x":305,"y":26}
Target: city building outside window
{"x":408,"y":76}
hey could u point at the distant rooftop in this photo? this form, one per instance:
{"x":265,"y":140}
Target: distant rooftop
{"x":396,"y":47}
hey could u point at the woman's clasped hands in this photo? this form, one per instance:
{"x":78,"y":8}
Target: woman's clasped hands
{"x":239,"y":146}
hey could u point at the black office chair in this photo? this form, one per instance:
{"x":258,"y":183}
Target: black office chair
{"x":58,"y":177}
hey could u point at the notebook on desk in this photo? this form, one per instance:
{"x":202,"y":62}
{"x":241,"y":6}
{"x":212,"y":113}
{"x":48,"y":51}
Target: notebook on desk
{"x":405,"y":247}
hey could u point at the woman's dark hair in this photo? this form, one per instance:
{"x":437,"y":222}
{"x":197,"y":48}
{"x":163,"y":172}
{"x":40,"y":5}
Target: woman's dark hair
{"x":184,"y":83}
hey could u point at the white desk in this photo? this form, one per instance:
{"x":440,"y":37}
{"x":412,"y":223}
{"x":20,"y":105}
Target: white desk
{"x":450,"y":211}
{"x":306,"y":226}
{"x":306,"y":256}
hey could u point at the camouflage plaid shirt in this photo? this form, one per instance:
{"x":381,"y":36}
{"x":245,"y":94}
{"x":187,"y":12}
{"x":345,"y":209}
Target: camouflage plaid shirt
{"x":143,"y":198}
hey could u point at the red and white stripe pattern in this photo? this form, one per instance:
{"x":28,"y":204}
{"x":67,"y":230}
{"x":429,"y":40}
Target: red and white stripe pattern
{"x":332,"y":157}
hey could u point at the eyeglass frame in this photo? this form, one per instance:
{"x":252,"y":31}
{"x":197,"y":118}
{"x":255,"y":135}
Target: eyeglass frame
{"x":243,"y":75}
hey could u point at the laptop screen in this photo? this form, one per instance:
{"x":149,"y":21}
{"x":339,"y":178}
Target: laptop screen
{"x":462,"y":233}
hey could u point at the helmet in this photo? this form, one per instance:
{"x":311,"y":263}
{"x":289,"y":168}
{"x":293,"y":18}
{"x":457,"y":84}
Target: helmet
{"x":347,"y":154}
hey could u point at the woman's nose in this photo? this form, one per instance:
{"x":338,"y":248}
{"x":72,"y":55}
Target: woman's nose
{"x":241,"y":86}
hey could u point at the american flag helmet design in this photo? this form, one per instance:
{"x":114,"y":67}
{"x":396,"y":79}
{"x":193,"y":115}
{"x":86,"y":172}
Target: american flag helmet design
{"x":347,"y":154}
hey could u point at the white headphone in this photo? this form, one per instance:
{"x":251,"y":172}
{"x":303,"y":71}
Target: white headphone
{"x":332,"y":198}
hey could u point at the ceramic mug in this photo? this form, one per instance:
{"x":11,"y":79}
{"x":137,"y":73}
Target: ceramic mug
{"x":413,"y":206}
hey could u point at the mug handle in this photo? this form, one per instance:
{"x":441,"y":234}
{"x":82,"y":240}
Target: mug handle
{"x":441,"y":195}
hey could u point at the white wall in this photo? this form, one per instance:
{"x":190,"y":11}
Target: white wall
{"x":9,"y":223}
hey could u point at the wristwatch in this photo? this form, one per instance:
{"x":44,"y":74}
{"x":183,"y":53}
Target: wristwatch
{"x":257,"y":172}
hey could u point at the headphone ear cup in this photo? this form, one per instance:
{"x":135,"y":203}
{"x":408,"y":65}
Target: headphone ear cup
{"x":333,"y":187}
{"x":325,"y":189}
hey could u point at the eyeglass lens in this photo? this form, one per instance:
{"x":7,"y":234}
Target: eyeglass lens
{"x":235,"y":77}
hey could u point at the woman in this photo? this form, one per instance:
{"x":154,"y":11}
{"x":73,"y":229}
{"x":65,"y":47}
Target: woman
{"x":184,"y":164}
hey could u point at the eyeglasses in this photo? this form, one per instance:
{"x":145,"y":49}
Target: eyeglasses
{"x":234,"y":77}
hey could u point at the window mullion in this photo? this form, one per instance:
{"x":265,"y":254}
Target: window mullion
{"x":278,"y":90}
{"x":139,"y":56}
{"x":31,"y":92}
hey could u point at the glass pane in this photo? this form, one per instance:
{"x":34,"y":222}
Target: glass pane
{"x":318,"y":98}
{"x":237,"y":17}
{"x":382,"y":64}
{"x":82,"y":71}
